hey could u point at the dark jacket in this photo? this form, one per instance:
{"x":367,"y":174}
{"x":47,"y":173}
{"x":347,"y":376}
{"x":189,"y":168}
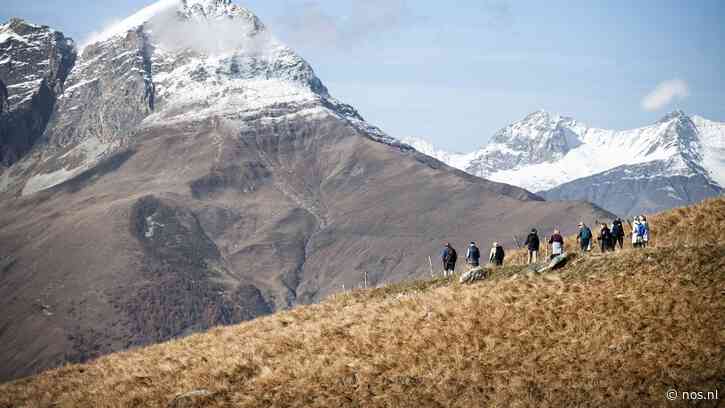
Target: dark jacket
{"x":532,"y":242}
{"x":585,"y":234}
{"x":473,"y":255}
{"x":605,"y":235}
{"x":499,"y":255}
{"x":449,"y":256}
{"x":556,"y":238}
{"x":557,"y":244}
{"x":617,"y":229}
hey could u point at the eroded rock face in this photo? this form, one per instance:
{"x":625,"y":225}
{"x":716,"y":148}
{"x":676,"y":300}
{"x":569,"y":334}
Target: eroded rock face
{"x":34,"y":64}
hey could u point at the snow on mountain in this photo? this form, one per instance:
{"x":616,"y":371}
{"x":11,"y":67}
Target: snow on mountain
{"x":544,"y":150}
{"x":675,"y":161}
{"x":34,"y":62}
{"x":457,"y":160}
{"x":176,"y":61}
{"x":712,"y":135}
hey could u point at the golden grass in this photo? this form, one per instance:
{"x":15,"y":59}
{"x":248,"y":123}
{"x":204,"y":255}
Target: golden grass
{"x":696,"y":225}
{"x":615,"y":330}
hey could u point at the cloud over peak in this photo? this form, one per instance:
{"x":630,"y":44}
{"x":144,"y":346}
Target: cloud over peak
{"x":664,"y":93}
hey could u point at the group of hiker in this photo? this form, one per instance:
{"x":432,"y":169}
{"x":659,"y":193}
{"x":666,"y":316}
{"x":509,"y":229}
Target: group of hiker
{"x":612,"y":236}
{"x":473,"y":257}
{"x":608,"y":238}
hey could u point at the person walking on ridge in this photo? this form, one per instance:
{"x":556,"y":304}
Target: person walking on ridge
{"x":473,"y":255}
{"x":617,"y":234}
{"x":584,"y":237}
{"x":645,"y":232}
{"x":605,"y":239}
{"x":637,"y":233}
{"x":557,"y":244}
{"x":496,"y":255}
{"x":449,"y":258}
{"x":532,"y":243}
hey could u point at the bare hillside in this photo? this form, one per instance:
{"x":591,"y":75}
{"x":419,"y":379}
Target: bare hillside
{"x":615,"y":330}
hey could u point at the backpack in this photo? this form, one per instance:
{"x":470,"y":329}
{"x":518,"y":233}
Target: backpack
{"x":617,"y":229}
{"x":452,"y":256}
{"x":641,"y":230}
{"x":586,"y":234}
{"x":606,"y":234}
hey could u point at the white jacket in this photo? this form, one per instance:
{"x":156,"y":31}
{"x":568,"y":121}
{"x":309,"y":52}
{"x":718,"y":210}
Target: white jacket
{"x":634,"y":231}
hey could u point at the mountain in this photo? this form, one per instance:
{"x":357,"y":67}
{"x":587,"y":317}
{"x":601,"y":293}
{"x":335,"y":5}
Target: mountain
{"x":196,"y":172}
{"x":676,"y":161}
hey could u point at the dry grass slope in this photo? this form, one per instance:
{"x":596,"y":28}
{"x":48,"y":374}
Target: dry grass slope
{"x":696,"y":225}
{"x":615,"y":330}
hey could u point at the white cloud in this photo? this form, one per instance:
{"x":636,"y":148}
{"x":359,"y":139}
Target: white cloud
{"x":664,"y":93}
{"x":308,"y":24}
{"x":122,"y":25}
{"x":168,"y":31}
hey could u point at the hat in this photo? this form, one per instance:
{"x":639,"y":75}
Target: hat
{"x":473,"y":243}
{"x":533,"y":230}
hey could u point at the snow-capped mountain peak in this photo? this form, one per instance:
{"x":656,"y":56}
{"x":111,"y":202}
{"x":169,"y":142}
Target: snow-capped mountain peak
{"x":165,"y":15}
{"x":213,"y":9}
{"x":546,"y":150}
{"x":544,"y":120}
{"x":179,"y":61}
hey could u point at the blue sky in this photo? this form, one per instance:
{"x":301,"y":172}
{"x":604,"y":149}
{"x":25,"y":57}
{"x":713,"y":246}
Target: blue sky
{"x":454,"y":74}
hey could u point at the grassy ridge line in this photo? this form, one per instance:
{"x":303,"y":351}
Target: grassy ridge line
{"x":696,"y":225}
{"x":617,"y":330}
{"x":606,"y":332}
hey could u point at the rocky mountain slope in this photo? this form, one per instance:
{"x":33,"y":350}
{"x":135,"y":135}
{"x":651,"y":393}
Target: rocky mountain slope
{"x":34,"y":63}
{"x":676,"y":161}
{"x":615,"y":330}
{"x":186,"y":181}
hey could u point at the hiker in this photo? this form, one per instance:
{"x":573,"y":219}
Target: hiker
{"x":637,"y":233}
{"x":473,"y":255}
{"x":449,"y":258}
{"x":605,"y":238}
{"x":584,"y":237}
{"x":617,"y":234}
{"x":497,"y":254}
{"x":645,"y":232}
{"x":532,"y":243}
{"x":557,"y":244}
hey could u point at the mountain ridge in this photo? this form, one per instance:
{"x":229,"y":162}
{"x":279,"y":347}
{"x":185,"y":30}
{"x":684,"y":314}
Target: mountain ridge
{"x":548,"y":153}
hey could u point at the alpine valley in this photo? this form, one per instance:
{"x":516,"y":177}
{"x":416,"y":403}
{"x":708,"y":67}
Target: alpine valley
{"x":677,"y":161}
{"x":184,"y":169}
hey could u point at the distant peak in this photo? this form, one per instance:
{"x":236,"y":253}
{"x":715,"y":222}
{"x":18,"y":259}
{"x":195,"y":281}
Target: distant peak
{"x":20,"y":26}
{"x":190,"y":10}
{"x":545,"y":118}
{"x":676,"y":114}
{"x":212,"y":9}
{"x":207,"y":3}
{"x":539,"y":114}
